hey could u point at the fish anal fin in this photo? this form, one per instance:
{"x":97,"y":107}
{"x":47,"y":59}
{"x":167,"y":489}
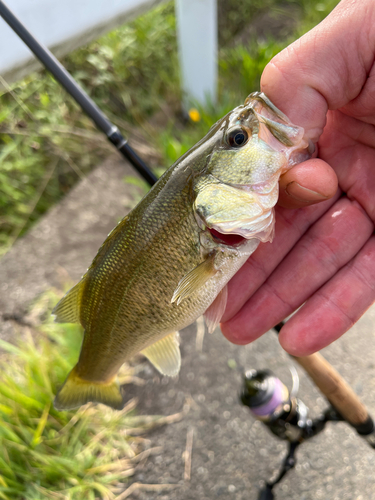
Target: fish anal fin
{"x":68,"y":308}
{"x":216,"y":310}
{"x":165,"y":354}
{"x":76,"y":392}
{"x":194,"y":279}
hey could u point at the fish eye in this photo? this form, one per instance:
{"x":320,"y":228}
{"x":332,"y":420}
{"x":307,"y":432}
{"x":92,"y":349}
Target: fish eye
{"x":237,"y":137}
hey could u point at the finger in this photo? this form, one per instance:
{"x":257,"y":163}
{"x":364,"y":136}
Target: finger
{"x":334,"y":308}
{"x":363,"y":106}
{"x":290,"y":226}
{"x":332,"y":242}
{"x":349,"y":147}
{"x":321,"y":70}
{"x":307,"y":183}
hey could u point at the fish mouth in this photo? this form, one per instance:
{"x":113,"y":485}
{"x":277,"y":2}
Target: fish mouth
{"x":237,"y":232}
{"x":233,"y":214}
{"x":230,"y":239}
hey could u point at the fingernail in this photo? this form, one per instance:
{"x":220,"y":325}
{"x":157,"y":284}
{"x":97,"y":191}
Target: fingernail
{"x":300,"y":193}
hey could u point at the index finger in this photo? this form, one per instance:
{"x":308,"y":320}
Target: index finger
{"x":290,"y":226}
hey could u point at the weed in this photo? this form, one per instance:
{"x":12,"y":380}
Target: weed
{"x":47,"y":143}
{"x":75,"y":455}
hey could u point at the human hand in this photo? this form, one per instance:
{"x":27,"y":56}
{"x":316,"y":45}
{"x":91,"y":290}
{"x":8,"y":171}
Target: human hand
{"x":324,"y":254}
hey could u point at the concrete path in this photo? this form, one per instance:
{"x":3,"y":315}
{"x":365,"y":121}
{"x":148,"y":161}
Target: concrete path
{"x":231,"y":453}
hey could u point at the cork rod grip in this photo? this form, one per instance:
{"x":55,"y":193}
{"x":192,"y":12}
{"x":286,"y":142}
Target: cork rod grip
{"x":335,"y":388}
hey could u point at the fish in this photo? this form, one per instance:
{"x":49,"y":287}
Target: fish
{"x":169,"y":260}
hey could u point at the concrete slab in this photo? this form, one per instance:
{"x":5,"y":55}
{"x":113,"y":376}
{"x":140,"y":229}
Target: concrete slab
{"x":63,"y":244}
{"x":231,"y":452}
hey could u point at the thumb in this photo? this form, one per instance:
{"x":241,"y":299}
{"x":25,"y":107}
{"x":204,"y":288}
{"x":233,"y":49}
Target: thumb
{"x":307,"y":183}
{"x":325,"y":69}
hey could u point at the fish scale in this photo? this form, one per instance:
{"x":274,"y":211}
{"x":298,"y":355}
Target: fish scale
{"x":165,"y":263}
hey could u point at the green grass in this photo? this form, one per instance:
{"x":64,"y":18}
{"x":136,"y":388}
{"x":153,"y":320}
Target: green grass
{"x":47,"y":143}
{"x":75,"y":455}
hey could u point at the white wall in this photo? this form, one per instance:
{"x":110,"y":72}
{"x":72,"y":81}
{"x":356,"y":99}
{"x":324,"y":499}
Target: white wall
{"x":62,"y":25}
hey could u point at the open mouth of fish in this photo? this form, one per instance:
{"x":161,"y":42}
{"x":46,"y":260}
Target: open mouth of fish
{"x":232,"y":215}
{"x":235,"y":233}
{"x":230,"y":239}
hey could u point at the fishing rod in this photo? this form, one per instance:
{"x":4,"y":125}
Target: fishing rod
{"x":287,"y":417}
{"x":50,"y":62}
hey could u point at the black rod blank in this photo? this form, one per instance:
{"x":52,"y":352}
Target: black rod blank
{"x":50,"y":62}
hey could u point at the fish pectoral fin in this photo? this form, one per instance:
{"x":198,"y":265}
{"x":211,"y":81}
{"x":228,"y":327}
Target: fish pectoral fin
{"x":67,"y":309}
{"x":195,"y":279}
{"x":165,"y":354}
{"x":216,"y":310}
{"x":76,"y":392}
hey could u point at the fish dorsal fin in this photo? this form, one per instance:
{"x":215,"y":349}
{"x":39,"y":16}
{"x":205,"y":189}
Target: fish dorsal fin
{"x":216,"y":310}
{"x":165,"y":354}
{"x":67,"y":310}
{"x":195,"y":279}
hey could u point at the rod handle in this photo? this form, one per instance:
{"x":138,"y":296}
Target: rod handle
{"x":335,"y":388}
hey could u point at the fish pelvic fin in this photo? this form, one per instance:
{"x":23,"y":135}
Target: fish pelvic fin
{"x":68,"y":308}
{"x":76,"y":392}
{"x":216,"y":310}
{"x":195,"y":279}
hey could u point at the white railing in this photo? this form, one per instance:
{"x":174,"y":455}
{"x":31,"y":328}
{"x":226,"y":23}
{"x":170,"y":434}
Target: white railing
{"x":63,"y":25}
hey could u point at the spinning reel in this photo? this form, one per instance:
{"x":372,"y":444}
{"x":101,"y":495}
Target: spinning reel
{"x":287,"y":417}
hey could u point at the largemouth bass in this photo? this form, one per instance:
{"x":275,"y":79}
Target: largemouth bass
{"x":169,"y":260}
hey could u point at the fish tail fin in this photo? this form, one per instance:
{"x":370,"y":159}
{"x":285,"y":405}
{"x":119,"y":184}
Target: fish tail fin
{"x":77,"y":391}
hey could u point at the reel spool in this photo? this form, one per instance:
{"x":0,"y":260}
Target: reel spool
{"x":270,"y":401}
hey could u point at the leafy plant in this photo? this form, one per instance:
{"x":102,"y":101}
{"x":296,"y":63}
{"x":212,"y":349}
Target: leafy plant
{"x":74,"y":455}
{"x":47,"y":143}
{"x":240,"y":64}
{"x":133,"y":69}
